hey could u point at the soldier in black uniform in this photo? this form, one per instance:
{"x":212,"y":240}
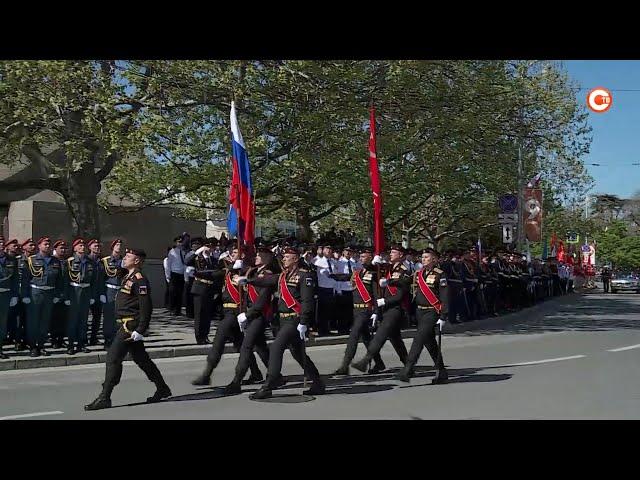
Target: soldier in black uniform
{"x":432,"y":307}
{"x":59,"y":311}
{"x":95,"y":250}
{"x":8,"y":291}
{"x":295,"y":306}
{"x":454,"y":282}
{"x":255,"y":320}
{"x":606,"y":279}
{"x":232,"y":296}
{"x":365,"y":312}
{"x":202,"y":288}
{"x":393,"y":306}
{"x":133,"y":311}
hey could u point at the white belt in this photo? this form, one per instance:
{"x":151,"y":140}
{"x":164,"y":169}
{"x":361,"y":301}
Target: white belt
{"x":3,"y":290}
{"x":81,"y":285}
{"x":115,"y":287}
{"x":454,"y":280}
{"x":44,"y":287}
{"x":474,"y":280}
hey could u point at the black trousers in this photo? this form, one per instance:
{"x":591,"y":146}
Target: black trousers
{"x":203,"y":314}
{"x":389,"y":329}
{"x":254,"y":339}
{"x":326,"y":310}
{"x":360,"y":329}
{"x":229,"y":329}
{"x":17,"y":324}
{"x":425,"y":337}
{"x":606,"y":283}
{"x":58,"y":322}
{"x":289,"y":337}
{"x":344,"y":312}
{"x":122,"y":344}
{"x":188,"y":298}
{"x":96,"y":316}
{"x":176,"y":288}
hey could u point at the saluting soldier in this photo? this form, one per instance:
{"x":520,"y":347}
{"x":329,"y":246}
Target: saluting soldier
{"x":392,"y":305}
{"x":365,"y":312}
{"x":432,"y":307}
{"x":42,"y":287}
{"x":203,"y":289}
{"x":81,"y":292}
{"x":296,"y":307}
{"x":229,"y":328}
{"x":8,"y":291}
{"x":111,"y":274}
{"x":133,"y":312}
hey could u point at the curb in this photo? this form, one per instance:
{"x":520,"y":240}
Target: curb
{"x":195,"y":350}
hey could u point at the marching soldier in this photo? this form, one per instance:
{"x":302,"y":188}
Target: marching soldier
{"x":42,"y":287}
{"x":60,"y":311}
{"x":133,"y":311}
{"x":431,"y":298}
{"x":8,"y":291}
{"x":392,"y":305}
{"x":81,"y":292}
{"x":255,"y":320}
{"x":229,"y":328}
{"x":295,"y":306}
{"x":95,"y":249}
{"x":365,"y":312}
{"x":110,"y":278}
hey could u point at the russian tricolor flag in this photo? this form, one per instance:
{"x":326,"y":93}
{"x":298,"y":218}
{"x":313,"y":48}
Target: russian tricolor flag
{"x":241,"y":218}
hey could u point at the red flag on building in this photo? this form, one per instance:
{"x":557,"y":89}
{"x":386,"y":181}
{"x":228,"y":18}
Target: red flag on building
{"x":374,"y":174}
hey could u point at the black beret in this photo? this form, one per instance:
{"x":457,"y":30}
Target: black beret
{"x":398,"y":248}
{"x":137,"y":252}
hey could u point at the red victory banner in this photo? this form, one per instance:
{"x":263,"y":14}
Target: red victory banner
{"x":532,"y":215}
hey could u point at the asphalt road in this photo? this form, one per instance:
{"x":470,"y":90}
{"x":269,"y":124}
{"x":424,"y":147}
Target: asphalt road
{"x":577,"y":361}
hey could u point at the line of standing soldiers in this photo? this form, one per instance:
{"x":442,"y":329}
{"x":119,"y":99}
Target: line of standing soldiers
{"x":45,"y":292}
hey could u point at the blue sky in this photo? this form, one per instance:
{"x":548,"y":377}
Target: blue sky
{"x":616,"y":133}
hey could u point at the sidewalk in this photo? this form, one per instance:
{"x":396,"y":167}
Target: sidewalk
{"x":173,"y":337}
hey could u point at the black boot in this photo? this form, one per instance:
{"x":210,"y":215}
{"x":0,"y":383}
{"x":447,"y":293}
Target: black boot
{"x":43,"y":352}
{"x":233,"y":388}
{"x":361,"y":365}
{"x":71,"y":350}
{"x":377,"y":367}
{"x":103,"y":401}
{"x":3,"y":355}
{"x":343,"y":370}
{"x":162,"y":391}
{"x":253,"y":379}
{"x":261,"y":394}
{"x":34,"y":352}
{"x":403,"y":375}
{"x":205,"y":377}
{"x":441,"y":377}
{"x":317,"y":388}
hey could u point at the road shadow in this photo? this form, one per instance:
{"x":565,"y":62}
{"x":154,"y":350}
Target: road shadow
{"x":475,"y":378}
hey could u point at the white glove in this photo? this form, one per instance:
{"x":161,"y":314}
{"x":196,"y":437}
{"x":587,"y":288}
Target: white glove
{"x":374,"y":319}
{"x":303,"y":330}
{"x":242,"y":320}
{"x":167,"y":279}
{"x":103,"y":299}
{"x":201,"y":250}
{"x":381,"y":302}
{"x":55,"y":300}
{"x":136,"y":337}
{"x":237,"y":265}
{"x":13,"y":302}
{"x":26,"y":300}
{"x":92,"y":301}
{"x":67,"y":302}
{"x":383,"y":282}
{"x":242,"y":280}
{"x":441,"y":323}
{"x":377,"y":260}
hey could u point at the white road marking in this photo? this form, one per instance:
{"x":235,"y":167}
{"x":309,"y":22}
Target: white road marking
{"x":622,"y":349}
{"x":27,"y":415}
{"x":536,"y":362}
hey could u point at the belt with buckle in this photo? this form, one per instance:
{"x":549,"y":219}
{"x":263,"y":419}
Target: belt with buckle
{"x":4,"y":290}
{"x":43,"y":287}
{"x":202,"y":280}
{"x":124,"y":321}
{"x":421,"y":307}
{"x":80,"y":285}
{"x":230,"y":305}
{"x":111,"y":285}
{"x":360,"y":305}
{"x":285,"y":315}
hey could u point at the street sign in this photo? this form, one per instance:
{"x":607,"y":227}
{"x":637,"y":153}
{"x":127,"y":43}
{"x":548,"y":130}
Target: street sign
{"x":573,"y":237}
{"x":508,"y":218}
{"x":508,"y":232}
{"x":508,"y":203}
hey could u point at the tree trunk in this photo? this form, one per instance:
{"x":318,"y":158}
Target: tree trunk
{"x":81,"y":198}
{"x":303,"y":223}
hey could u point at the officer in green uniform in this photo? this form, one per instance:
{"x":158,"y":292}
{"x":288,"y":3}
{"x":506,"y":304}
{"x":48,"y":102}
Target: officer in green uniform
{"x":133,"y":311}
{"x":8,"y":291}
{"x":41,"y":288}
{"x":81,"y":292}
{"x":111,"y":274}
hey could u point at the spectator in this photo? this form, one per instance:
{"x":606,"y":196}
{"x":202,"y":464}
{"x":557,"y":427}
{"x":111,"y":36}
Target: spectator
{"x":176,"y":269}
